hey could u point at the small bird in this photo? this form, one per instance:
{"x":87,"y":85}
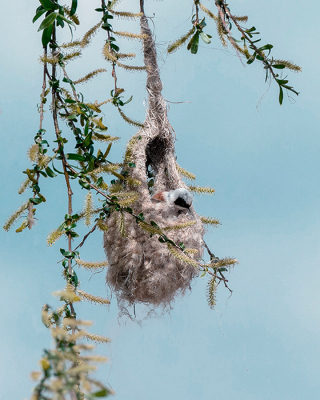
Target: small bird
{"x":178,"y":197}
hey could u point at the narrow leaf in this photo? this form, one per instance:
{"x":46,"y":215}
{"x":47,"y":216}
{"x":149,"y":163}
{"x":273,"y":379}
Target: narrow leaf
{"x":49,"y":20}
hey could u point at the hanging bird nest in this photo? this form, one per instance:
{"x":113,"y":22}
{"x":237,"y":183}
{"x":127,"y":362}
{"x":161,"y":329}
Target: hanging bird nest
{"x":141,"y":268}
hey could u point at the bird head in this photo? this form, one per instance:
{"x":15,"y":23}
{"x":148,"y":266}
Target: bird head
{"x":179,"y":197}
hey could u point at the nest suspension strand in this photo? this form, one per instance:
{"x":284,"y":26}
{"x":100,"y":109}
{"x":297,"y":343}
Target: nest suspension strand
{"x":141,"y":269}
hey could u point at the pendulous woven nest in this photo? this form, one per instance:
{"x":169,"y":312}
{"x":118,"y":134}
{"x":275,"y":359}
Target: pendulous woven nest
{"x":141,"y":269}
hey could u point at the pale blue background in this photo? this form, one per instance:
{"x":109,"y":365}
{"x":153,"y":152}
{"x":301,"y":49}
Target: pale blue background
{"x":263,"y":160}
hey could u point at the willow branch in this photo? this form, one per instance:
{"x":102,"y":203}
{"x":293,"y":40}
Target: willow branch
{"x":61,"y":151}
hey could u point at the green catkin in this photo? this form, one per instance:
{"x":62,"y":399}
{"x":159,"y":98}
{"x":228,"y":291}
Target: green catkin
{"x":88,"y":209}
{"x":211,"y":292}
{"x":179,"y":42}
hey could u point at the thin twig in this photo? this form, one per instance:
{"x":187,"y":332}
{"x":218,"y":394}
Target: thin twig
{"x":85,"y":237}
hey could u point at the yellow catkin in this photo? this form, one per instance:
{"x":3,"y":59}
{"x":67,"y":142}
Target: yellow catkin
{"x":88,"y":35}
{"x":67,"y":295}
{"x":14,"y":216}
{"x":92,"y":298}
{"x":114,"y":189}
{"x":81,"y":368}
{"x":224,"y":262}
{"x":24,"y":185}
{"x":179,"y":42}
{"x":133,"y":182}
{"x":131,"y":67}
{"x":104,"y":138}
{"x":74,"y":323}
{"x":208,"y":12}
{"x":179,"y":226}
{"x":201,"y":190}
{"x":101,"y":225}
{"x":210,"y":221}
{"x":185,"y":173}
{"x":54,"y":236}
{"x":108,"y":54}
{"x":150,"y":228}
{"x":288,"y":64}
{"x":221,"y":30}
{"x":126,"y":15}
{"x":103,"y":102}
{"x":43,"y":160}
{"x":113,"y":4}
{"x":191,"y":251}
{"x":76,"y":43}
{"x":98,"y":122}
{"x":33,"y":153}
{"x":72,"y":55}
{"x":97,"y":338}
{"x":90,"y":76}
{"x":241,"y":19}
{"x":181,"y":256}
{"x":132,"y":142}
{"x":84,"y":347}
{"x":127,"y":201}
{"x":35,"y":375}
{"x":74,"y":18}
{"x":88,"y":209}
{"x":129,"y":35}
{"x":126,"y":55}
{"x":129,"y":120}
{"x":211,"y":293}
{"x":94,"y":358}
{"x":121,"y":224}
{"x":49,"y":59}
{"x":91,"y":265}
{"x":77,"y":335}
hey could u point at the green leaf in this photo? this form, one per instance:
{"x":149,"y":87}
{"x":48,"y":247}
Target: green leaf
{"x":38,"y":14}
{"x":50,"y":173}
{"x":48,"y":4}
{"x":205,"y":38}
{"x":46,"y":35}
{"x":99,"y":181}
{"x":84,"y":184}
{"x":266,"y":47}
{"x":251,"y":59}
{"x":194,"y":43}
{"x":73,"y":156}
{"x":278,"y":66}
{"x":70,"y":101}
{"x":86,"y":128}
{"x":128,"y":101}
{"x":203,"y":274}
{"x":67,"y":20}
{"x":101,"y":393}
{"x":88,"y":140}
{"x":280,"y":95}
{"x":73,"y":7}
{"x":49,"y":20}
{"x":282,"y":81}
{"x":258,"y":57}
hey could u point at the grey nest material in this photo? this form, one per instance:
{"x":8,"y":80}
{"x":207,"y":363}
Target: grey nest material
{"x":141,"y":269}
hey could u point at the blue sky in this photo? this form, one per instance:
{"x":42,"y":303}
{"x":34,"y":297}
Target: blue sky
{"x":263,"y":161}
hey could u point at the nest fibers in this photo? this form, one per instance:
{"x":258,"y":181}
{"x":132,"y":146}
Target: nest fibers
{"x":142,"y":269}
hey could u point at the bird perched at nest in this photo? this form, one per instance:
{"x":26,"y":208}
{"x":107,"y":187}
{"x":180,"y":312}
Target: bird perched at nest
{"x":180,"y":197}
